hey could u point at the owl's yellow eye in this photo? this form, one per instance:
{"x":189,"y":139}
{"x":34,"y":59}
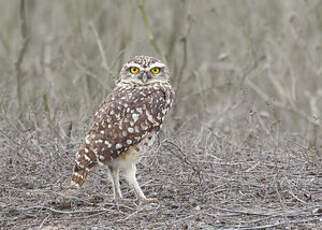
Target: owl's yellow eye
{"x":155,"y":70}
{"x":134,"y":69}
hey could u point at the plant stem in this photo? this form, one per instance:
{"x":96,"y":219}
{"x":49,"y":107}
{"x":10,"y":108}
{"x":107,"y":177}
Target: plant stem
{"x":149,"y":32}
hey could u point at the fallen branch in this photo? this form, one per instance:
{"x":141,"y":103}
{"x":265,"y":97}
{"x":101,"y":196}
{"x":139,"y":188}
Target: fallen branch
{"x":273,"y":225}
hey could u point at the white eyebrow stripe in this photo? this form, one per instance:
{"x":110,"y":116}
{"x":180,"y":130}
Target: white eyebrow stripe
{"x":133,"y":64}
{"x":160,"y":65}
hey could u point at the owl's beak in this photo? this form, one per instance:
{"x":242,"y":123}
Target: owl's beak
{"x":144,"y":77}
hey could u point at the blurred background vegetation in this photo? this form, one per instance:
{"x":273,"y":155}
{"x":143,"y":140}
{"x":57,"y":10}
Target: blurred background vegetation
{"x":236,"y":65}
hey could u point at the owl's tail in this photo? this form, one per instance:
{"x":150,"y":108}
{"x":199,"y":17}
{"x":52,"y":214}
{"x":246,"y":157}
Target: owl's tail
{"x":85,"y":161}
{"x":79,"y":176}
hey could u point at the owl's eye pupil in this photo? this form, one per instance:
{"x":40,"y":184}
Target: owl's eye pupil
{"x":155,"y":70}
{"x":134,"y":69}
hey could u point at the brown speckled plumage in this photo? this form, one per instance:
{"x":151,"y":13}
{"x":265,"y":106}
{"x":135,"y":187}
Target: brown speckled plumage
{"x":126,"y":123}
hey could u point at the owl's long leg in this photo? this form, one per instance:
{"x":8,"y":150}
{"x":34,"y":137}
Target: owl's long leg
{"x":129,"y":174}
{"x":116,"y":183}
{"x":130,"y":177}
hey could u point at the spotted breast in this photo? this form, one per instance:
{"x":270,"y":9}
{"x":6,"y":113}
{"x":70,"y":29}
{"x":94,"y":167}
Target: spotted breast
{"x":124,"y":126}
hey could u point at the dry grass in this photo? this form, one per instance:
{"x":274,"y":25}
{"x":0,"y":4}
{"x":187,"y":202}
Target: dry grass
{"x":241,"y":149}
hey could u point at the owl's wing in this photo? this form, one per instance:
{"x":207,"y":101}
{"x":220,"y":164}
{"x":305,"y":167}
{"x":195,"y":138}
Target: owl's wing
{"x":125,"y":118}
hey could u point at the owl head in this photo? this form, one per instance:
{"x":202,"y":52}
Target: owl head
{"x":144,"y":70}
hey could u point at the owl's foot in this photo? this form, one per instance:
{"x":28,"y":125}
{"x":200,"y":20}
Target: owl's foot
{"x":117,"y":198}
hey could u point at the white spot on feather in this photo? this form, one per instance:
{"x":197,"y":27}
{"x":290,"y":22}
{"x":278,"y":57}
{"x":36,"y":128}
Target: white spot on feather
{"x":150,"y":117}
{"x":79,"y":164}
{"x":87,"y":158}
{"x":78,"y":175}
{"x":118,"y":146}
{"x":159,"y":116}
{"x":109,"y":145}
{"x":74,"y":184}
{"x":142,"y":94}
{"x":87,"y":141}
{"x":135,"y":117}
{"x":144,"y":126}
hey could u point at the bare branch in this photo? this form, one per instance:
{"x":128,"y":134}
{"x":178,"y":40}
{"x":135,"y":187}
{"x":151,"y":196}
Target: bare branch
{"x":281,"y":105}
{"x":25,"y":41}
{"x":150,"y":33}
{"x":184,"y":41}
{"x":102,"y":52}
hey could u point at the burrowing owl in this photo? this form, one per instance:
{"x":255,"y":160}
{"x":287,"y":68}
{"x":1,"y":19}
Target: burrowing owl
{"x":126,"y":123}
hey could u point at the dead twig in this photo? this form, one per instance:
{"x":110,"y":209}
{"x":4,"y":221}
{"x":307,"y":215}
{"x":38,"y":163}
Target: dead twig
{"x":281,"y":105}
{"x":44,"y":221}
{"x":96,"y":212}
{"x":315,"y":111}
{"x":101,"y":50}
{"x":129,"y":216}
{"x":184,"y":41}
{"x":90,"y":73}
{"x":25,"y":41}
{"x":182,"y":156}
{"x":296,"y":198}
{"x":243,"y":212}
{"x":150,"y":33}
{"x":274,"y":225}
{"x":179,"y":76}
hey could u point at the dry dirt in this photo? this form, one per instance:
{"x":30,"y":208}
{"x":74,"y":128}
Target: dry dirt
{"x":202,"y":181}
